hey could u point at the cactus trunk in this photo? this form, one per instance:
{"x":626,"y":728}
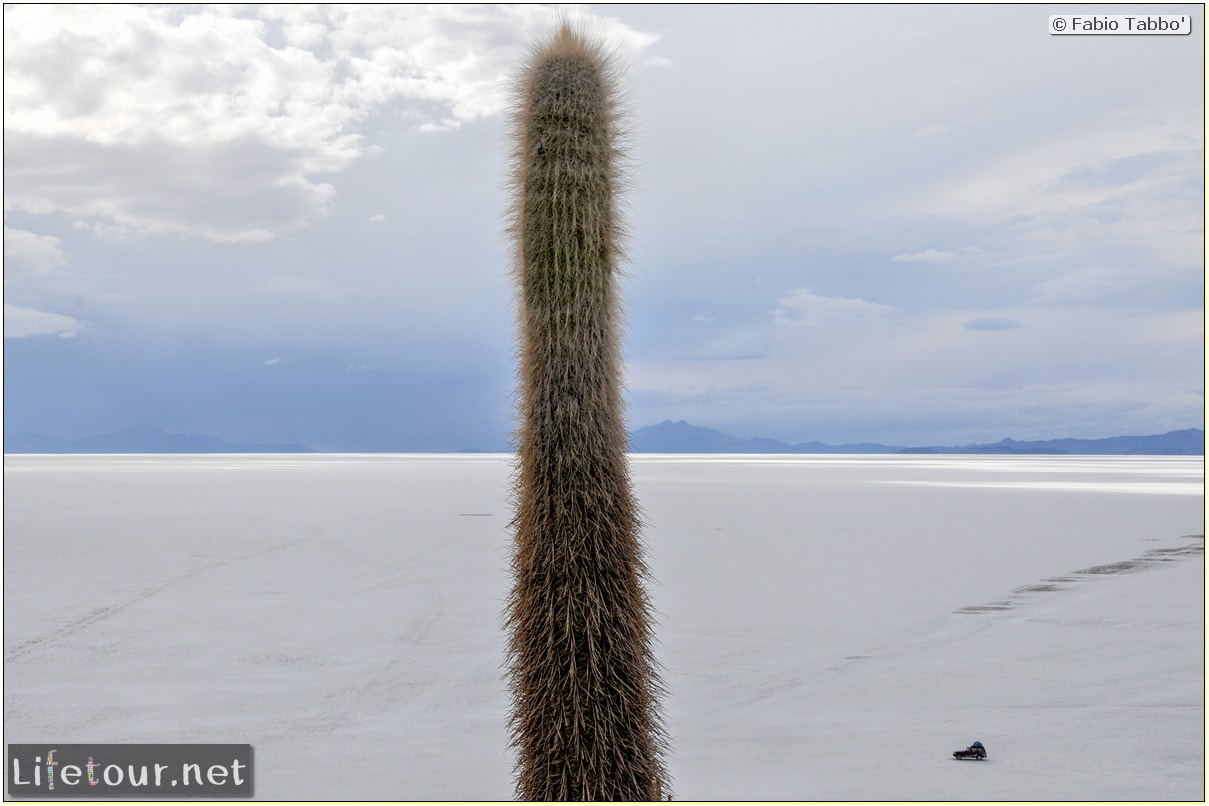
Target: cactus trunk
{"x":584,"y":683}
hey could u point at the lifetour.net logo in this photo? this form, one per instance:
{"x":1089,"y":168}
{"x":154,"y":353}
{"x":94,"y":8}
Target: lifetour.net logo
{"x":77,"y":771}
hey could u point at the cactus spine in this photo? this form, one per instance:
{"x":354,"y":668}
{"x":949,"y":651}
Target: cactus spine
{"x":585,"y":719}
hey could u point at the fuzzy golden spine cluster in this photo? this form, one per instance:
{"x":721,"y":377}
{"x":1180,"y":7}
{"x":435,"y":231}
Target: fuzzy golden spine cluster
{"x":585,"y":688}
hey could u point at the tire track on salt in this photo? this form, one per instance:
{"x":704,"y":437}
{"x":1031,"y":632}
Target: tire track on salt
{"x":102,"y":613}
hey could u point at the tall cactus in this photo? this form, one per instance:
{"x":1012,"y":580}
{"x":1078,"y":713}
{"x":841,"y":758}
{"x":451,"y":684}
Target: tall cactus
{"x":584,"y":683}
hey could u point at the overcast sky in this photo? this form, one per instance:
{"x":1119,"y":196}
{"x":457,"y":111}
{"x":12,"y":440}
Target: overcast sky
{"x":912,"y":225}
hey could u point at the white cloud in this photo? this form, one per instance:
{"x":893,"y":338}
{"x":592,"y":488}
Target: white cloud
{"x":932,"y":130}
{"x":291,"y":285}
{"x":377,"y":219}
{"x":738,"y":346}
{"x":216,"y":121}
{"x":803,"y":307}
{"x":268,"y":362}
{"x":926,"y":256}
{"x":1041,"y":178}
{"x":240,"y":190}
{"x":20,"y":323}
{"x":991,"y":323}
{"x":894,"y":373}
{"x":33,"y":253}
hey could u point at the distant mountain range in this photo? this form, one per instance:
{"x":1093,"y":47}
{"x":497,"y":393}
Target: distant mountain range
{"x":682,"y":437}
{"x":142,"y":439}
{"x":666,"y":437}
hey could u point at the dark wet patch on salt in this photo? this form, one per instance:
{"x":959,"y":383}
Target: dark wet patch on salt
{"x":987,"y":608}
{"x":1113,"y":568}
{"x":1021,"y":595}
{"x":1041,"y":587}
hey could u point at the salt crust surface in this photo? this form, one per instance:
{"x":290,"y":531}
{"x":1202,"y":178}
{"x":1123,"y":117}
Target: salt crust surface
{"x":830,"y":627}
